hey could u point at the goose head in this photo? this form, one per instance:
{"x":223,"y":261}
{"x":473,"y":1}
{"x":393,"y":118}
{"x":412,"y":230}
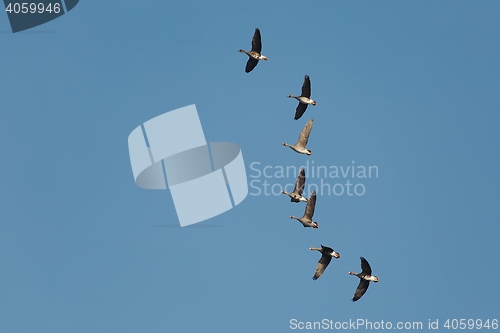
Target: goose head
{"x":315,"y":225}
{"x":313,"y":102}
{"x":262,"y":57}
{"x":309,"y":152}
{"x":286,"y":144}
{"x":292,"y":96}
{"x":374,"y":278}
{"x":335,"y":255}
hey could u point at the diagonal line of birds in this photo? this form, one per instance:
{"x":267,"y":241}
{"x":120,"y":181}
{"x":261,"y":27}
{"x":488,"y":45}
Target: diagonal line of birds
{"x":327,"y":253}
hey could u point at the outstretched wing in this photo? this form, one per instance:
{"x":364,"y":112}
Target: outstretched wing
{"x":251,"y":63}
{"x":311,"y":203}
{"x":256,"y":43}
{"x":299,"y":184}
{"x":306,"y":87}
{"x":365,"y":267}
{"x":304,"y":135}
{"x":361,"y":290}
{"x":299,"y":111}
{"x":327,"y":249}
{"x":322,"y":265}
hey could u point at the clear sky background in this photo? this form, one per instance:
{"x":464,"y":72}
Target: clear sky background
{"x":411,"y":87}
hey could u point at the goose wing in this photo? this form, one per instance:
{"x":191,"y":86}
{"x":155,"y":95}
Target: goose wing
{"x":361,"y":290}
{"x":251,"y":63}
{"x":299,"y":184}
{"x":327,"y":250}
{"x":304,"y":135}
{"x":311,"y":203}
{"x":299,"y":111}
{"x":365,"y":267}
{"x":322,"y":265}
{"x":256,"y":43}
{"x":306,"y":87}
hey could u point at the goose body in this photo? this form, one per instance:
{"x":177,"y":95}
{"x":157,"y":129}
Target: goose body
{"x":254,"y":55}
{"x":306,"y":219}
{"x":300,"y":146}
{"x":296,"y":195}
{"x":326,"y":256}
{"x":365,"y":277}
{"x":304,"y":99}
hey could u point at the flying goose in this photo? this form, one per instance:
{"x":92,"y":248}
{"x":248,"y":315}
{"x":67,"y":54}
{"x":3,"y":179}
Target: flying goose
{"x":296,"y":195}
{"x":300,"y":146}
{"x":365,"y":277}
{"x":304,"y":99}
{"x":306,"y":219}
{"x":254,"y":56}
{"x":326,"y":256}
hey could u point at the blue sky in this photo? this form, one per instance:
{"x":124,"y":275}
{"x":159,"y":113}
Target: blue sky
{"x":408,"y":87}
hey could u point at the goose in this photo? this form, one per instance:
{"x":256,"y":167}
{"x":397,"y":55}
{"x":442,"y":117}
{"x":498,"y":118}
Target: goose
{"x":306,"y":219}
{"x":300,"y":146}
{"x":304,"y":99}
{"x":365,"y":277}
{"x":296,"y":195}
{"x":326,"y":256}
{"x":254,"y":56}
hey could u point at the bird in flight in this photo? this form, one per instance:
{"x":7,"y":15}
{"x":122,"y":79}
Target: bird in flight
{"x":365,"y":277}
{"x":326,"y":256}
{"x":304,"y":98}
{"x":306,"y":219}
{"x":254,"y":55}
{"x":300,"y":146}
{"x":296,"y":195}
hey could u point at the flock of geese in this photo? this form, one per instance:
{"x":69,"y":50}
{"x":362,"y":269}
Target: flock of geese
{"x":327,"y":253}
